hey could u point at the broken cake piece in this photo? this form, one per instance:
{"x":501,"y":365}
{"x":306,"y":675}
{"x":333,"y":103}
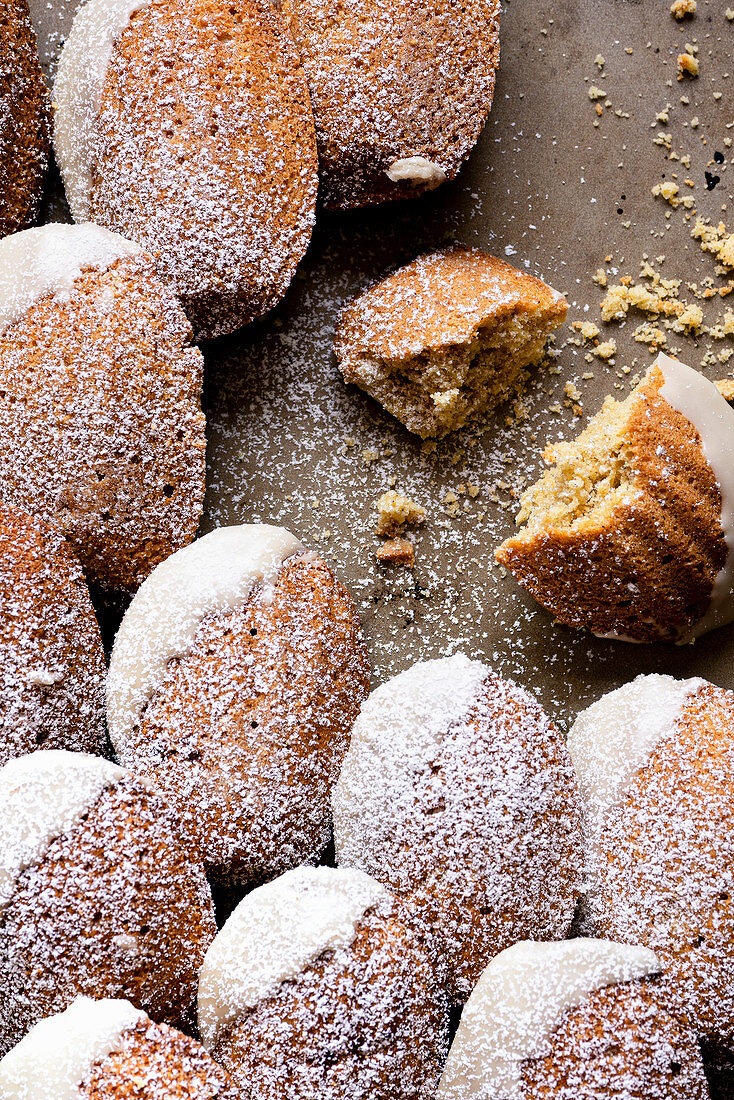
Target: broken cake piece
{"x":447,"y":338}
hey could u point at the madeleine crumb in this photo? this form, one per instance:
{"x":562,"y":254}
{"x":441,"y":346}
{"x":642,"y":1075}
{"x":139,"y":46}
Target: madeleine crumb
{"x":687,"y":65}
{"x":681,"y":8}
{"x":397,"y":552}
{"x":396,"y":511}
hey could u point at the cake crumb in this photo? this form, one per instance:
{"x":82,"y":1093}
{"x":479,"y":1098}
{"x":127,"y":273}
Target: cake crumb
{"x":681,"y":8}
{"x":687,"y":65}
{"x":397,"y":552}
{"x":725,"y":386}
{"x":396,"y":511}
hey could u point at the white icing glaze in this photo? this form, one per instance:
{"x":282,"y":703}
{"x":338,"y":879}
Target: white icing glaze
{"x":713,"y":418}
{"x":216,"y":573}
{"x":77,"y":93}
{"x":399,"y":731}
{"x":48,"y":260}
{"x":519,"y":1002}
{"x":56,"y":1055}
{"x":52,"y":21}
{"x":612,"y":740}
{"x":274,"y":934}
{"x":42,"y":796}
{"x":416,"y":170}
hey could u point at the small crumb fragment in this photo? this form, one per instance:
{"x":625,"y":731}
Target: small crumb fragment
{"x":725,"y":386}
{"x":687,"y":65}
{"x":397,"y":552}
{"x":681,"y":8}
{"x":396,"y":511}
{"x":607,"y":350}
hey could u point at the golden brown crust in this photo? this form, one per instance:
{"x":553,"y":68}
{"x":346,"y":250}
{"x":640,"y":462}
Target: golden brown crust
{"x":447,"y":337}
{"x":211,"y":165}
{"x":391,"y":81}
{"x":647,"y":572}
{"x":661,"y":868}
{"x":100,"y":398}
{"x":249,"y":728}
{"x":52,"y":666}
{"x":117,"y":907}
{"x":620,"y":1041}
{"x":24,"y":109}
{"x":156,"y":1062}
{"x":366,"y":1022}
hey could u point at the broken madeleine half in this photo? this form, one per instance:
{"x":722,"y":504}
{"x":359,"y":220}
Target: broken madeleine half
{"x":447,"y":337}
{"x":630,"y":531}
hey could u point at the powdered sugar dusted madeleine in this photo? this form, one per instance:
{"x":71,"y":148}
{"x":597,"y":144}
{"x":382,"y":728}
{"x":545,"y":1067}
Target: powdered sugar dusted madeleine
{"x":447,"y":337}
{"x":109,"y":1050}
{"x":100,"y":396}
{"x":630,"y":533}
{"x":655,"y":761}
{"x":52,"y":666}
{"x":234,"y":681}
{"x":98,"y":895}
{"x":315,"y":987}
{"x":186,"y":125}
{"x":24,"y":119}
{"x":578,"y":1020}
{"x":400,"y":91}
{"x":458,"y":794}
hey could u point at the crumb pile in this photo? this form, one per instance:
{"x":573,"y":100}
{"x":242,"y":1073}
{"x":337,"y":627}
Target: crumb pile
{"x":629,"y":532}
{"x":400,"y":91}
{"x":85,"y":846}
{"x":458,"y":794}
{"x":246,"y":719}
{"x":316,"y":988}
{"x":100,"y":397}
{"x":447,"y":337}
{"x":566,"y":1020}
{"x":24,"y":120}
{"x":195,"y":139}
{"x":52,"y":667}
{"x":655,"y":761}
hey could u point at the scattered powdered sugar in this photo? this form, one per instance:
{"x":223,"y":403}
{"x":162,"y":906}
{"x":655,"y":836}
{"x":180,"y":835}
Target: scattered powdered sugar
{"x":613,"y":739}
{"x":712,"y":416}
{"x":43,"y":795}
{"x":418,"y":169}
{"x":52,"y":21}
{"x":398,"y":734}
{"x":215,"y":573}
{"x":56,"y":1055}
{"x":274,"y":934}
{"x":78,"y":87}
{"x":517,"y":1005}
{"x":48,"y":259}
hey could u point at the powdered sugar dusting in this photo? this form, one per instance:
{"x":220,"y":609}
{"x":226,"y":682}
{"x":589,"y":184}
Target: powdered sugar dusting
{"x":458,"y":794}
{"x":517,"y":1004}
{"x":213,"y":574}
{"x":398,"y":734}
{"x":274,"y":933}
{"x":54,"y":1058}
{"x":48,"y":259}
{"x":612,"y":739}
{"x":78,"y":93}
{"x":43,"y":795}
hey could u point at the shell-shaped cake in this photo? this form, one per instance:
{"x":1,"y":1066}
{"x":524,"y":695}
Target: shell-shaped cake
{"x":98,"y":895}
{"x":186,"y":126}
{"x":631,"y":531}
{"x":24,"y":120}
{"x":574,"y":1021}
{"x":458,"y":794}
{"x":400,"y":91}
{"x":655,"y":763}
{"x":234,"y":681}
{"x":315,"y":986}
{"x":52,"y":665}
{"x":109,"y":1050}
{"x":100,"y":397}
